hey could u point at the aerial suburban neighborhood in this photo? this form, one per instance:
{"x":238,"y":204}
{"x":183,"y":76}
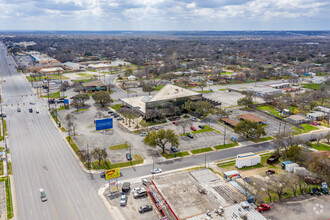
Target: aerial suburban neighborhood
{"x":107,"y":126}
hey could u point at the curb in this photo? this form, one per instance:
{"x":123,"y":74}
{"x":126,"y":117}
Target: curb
{"x":114,"y":211}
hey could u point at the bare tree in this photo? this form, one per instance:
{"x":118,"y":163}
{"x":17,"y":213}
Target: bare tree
{"x":99,"y":154}
{"x":184,"y":123}
{"x":279,"y":183}
{"x":70,"y":121}
{"x":293,"y":182}
{"x":99,"y":114}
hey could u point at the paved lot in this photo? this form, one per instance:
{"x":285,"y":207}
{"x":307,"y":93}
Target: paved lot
{"x":303,"y":207}
{"x":130,"y":211}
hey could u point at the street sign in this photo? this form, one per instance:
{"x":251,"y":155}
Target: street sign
{"x":103,"y":124}
{"x":113,"y":173}
{"x":66,"y":101}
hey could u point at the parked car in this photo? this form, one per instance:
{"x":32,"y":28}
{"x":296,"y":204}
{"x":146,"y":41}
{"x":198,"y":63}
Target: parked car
{"x":137,"y":189}
{"x":3,"y":115}
{"x":143,"y":133}
{"x":156,"y":170}
{"x":102,"y":175}
{"x":312,"y":139}
{"x":190,"y":135}
{"x":155,"y":127}
{"x":174,"y":122}
{"x":139,"y":194}
{"x":18,"y":109}
{"x":145,"y":181}
{"x":270,"y":172}
{"x":146,"y":208}
{"x":110,"y":112}
{"x":193,"y":118}
{"x":115,"y":115}
{"x":126,"y":187}
{"x":201,"y":126}
{"x":37,"y":111}
{"x":263,"y":207}
{"x":32,"y":103}
{"x":193,"y":128}
{"x":123,"y":199}
{"x":128,"y":156}
{"x":174,"y":149}
{"x":315,"y":191}
{"x":324,"y":188}
{"x":30,"y":110}
{"x":119,"y":118}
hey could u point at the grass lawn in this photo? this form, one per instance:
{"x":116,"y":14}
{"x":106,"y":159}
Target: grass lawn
{"x":206,"y":129}
{"x":321,"y":147}
{"x":82,"y":80}
{"x":73,"y":145}
{"x":55,"y":95}
{"x":269,"y":109}
{"x":222,"y":89}
{"x":1,"y":168}
{"x":116,"y":107}
{"x":62,"y":107}
{"x":261,"y":139}
{"x":85,"y":75}
{"x":159,"y":87}
{"x":311,"y":86}
{"x":143,"y":123}
{"x":201,"y":150}
{"x":137,"y":160}
{"x":219,"y":147}
{"x":173,"y":155}
{"x":53,"y":76}
{"x":307,"y":128}
{"x":226,"y":73}
{"x":119,"y":146}
{"x":10,"y":168}
{"x":204,"y":91}
{"x":9,"y":203}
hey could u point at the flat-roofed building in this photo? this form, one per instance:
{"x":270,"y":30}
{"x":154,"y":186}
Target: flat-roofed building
{"x":297,"y":119}
{"x":164,"y":102}
{"x":251,"y":117}
{"x":99,"y":66}
{"x":52,"y":70}
{"x":71,"y":66}
{"x":94,"y":86}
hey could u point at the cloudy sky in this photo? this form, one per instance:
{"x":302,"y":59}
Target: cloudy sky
{"x":164,"y":15}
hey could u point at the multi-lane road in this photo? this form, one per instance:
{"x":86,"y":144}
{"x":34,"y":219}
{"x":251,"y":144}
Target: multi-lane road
{"x":41,"y":159}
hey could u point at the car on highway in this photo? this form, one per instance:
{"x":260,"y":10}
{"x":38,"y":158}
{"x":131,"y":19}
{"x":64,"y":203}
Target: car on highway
{"x":30,"y":110}
{"x":123,"y":199}
{"x":43,"y":196}
{"x":193,"y":128}
{"x":174,"y":149}
{"x":18,"y":109}
{"x":3,"y":115}
{"x":156,"y":170}
{"x":32,"y":103}
{"x":146,"y":208}
{"x":37,"y":111}
{"x":201,"y":126}
{"x":190,"y":135}
{"x":129,"y":156}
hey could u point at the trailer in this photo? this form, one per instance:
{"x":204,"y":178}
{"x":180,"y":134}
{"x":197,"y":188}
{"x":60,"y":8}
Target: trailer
{"x":247,"y":160}
{"x":285,"y":163}
{"x":290,"y":167}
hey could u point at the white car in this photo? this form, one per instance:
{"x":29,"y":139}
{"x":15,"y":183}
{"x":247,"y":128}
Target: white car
{"x":156,"y":170}
{"x":32,"y":103}
{"x":193,"y":118}
{"x":37,"y":111}
{"x":138,"y":189}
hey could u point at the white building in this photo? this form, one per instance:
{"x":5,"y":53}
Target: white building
{"x":323,"y":109}
{"x":264,"y":91}
{"x":99,"y":66}
{"x":132,"y":78}
{"x":316,"y":115}
{"x":280,"y":85}
{"x":71,"y":66}
{"x":52,"y":70}
{"x":297,"y":119}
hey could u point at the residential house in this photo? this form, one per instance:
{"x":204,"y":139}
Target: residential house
{"x":297,"y":119}
{"x":316,"y":116}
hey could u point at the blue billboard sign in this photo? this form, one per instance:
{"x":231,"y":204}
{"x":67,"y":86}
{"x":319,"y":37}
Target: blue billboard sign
{"x":66,"y":101}
{"x":103,"y":124}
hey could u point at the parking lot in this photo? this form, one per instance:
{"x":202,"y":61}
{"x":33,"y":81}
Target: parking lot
{"x":131,"y":210}
{"x":301,"y":207}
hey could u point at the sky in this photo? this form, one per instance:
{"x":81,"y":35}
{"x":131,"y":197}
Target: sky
{"x":164,"y":15}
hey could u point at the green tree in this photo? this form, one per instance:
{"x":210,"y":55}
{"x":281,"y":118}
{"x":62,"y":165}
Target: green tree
{"x":128,"y":72}
{"x":220,"y":113}
{"x":148,"y":87}
{"x":246,"y":101}
{"x":296,"y":154}
{"x":99,"y":154}
{"x":160,"y":138}
{"x":102,"y":98}
{"x":249,"y":129}
{"x":81,"y":98}
{"x":203,"y":108}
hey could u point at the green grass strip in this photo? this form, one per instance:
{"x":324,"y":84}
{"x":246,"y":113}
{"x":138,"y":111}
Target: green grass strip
{"x":219,"y":147}
{"x":206,"y":129}
{"x":321,"y":147}
{"x":119,"y":146}
{"x":201,"y":150}
{"x":173,"y":155}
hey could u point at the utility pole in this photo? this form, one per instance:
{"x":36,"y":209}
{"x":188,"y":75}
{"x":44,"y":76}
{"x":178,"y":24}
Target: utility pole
{"x":279,"y":128}
{"x":224,"y":137}
{"x":48,"y":94}
{"x":284,"y":126}
{"x":205,"y":161}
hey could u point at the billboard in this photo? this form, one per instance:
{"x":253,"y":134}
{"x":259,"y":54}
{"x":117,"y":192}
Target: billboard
{"x":103,"y":124}
{"x":113,"y":173}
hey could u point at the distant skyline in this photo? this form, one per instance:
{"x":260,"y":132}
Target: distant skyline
{"x":164,"y":15}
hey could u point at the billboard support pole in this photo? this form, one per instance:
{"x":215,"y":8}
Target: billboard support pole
{"x":109,"y":188}
{"x":104,"y":139}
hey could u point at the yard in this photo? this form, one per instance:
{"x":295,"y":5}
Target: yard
{"x":269,"y":109}
{"x":307,"y":128}
{"x":311,"y":86}
{"x":119,"y":146}
{"x":321,"y":147}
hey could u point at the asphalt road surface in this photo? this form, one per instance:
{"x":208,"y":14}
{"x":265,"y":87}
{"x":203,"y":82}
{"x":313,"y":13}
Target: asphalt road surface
{"x":41,"y":159}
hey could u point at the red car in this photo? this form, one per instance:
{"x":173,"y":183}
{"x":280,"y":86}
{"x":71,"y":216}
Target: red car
{"x":263,"y":207}
{"x":193,"y":128}
{"x":174,"y":122}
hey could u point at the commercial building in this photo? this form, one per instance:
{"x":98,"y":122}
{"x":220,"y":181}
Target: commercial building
{"x":52,"y":70}
{"x":164,"y":102}
{"x":251,"y":117}
{"x":264,"y":91}
{"x":281,"y":85}
{"x":99,"y":66}
{"x":94,"y":86}
{"x":323,"y":109}
{"x":71,"y":66}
